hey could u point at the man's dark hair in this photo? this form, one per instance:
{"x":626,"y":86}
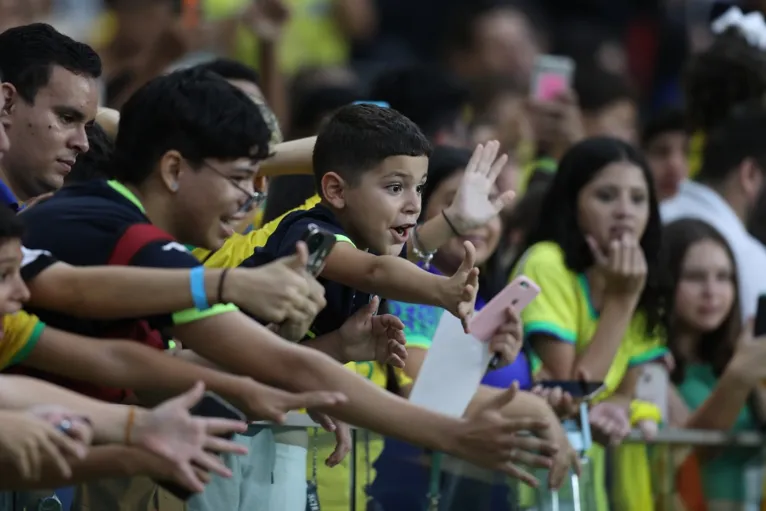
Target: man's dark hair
{"x":11,"y":226}
{"x":231,"y":70}
{"x":310,"y":107}
{"x":357,"y":138}
{"x":736,"y":138}
{"x":727,"y":73}
{"x":666,"y":121}
{"x":29,"y":52}
{"x":429,"y":96}
{"x":95,"y":164}
{"x":598,"y":88}
{"x":193,"y":111}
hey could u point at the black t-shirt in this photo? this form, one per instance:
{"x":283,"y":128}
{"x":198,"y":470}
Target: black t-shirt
{"x":81,"y":225}
{"x":342,"y":301}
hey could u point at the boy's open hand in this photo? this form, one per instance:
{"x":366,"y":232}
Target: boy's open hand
{"x":461,"y":289}
{"x":366,"y":337}
{"x":475,"y":202}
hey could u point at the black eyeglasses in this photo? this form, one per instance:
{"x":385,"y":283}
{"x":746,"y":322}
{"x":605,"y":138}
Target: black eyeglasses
{"x":253,"y":199}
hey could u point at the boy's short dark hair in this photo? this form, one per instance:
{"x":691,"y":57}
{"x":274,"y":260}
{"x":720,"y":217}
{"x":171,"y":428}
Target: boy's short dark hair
{"x":431,"y":97}
{"x":193,"y":111}
{"x":667,"y":121}
{"x":738,"y":137}
{"x":232,"y":70}
{"x":357,"y":138}
{"x":95,"y":163}
{"x":11,"y":226}
{"x":29,"y":52}
{"x":598,"y":88}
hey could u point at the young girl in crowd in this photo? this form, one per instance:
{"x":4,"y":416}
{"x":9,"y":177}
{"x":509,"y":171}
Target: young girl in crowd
{"x":594,"y":253}
{"x":718,"y":363}
{"x":402,"y":480}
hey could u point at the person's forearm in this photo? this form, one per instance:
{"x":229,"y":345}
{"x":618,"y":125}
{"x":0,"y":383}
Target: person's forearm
{"x":293,"y":157}
{"x":273,"y":82}
{"x":431,"y":236}
{"x":394,"y":278}
{"x":109,"y":292}
{"x":724,"y":404}
{"x":109,"y":420}
{"x":596,"y":359}
{"x":108,"y":461}
{"x":244,"y":347}
{"x":129,"y":365}
{"x":330,"y":344}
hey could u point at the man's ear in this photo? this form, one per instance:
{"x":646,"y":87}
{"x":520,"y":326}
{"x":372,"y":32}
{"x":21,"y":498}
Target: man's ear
{"x":9,"y":95}
{"x":171,"y":170}
{"x":332,"y":189}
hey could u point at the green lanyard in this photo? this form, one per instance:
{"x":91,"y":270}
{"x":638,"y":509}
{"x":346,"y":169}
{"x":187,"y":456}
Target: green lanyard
{"x":434,"y":481}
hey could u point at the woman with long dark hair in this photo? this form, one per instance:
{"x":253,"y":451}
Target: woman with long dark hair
{"x":719,"y":367}
{"x":594,"y":253}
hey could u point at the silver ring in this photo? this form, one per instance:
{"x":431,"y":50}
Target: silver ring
{"x":65,"y":426}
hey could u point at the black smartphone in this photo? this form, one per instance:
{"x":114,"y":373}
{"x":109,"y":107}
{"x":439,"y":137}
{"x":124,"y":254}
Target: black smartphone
{"x":759,"y":328}
{"x":585,"y":390}
{"x":211,"y":405}
{"x":319,"y":243}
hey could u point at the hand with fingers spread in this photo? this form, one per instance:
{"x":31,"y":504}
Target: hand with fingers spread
{"x":459,"y":294}
{"x":491,"y":440}
{"x":475,"y":202}
{"x":278,"y":291}
{"x":508,"y":339}
{"x":184,"y":441}
{"x":622,"y":266}
{"x":28,"y":441}
{"x":342,"y":436}
{"x":262,"y":402}
{"x":366,"y":337}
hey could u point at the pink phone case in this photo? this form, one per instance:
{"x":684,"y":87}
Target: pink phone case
{"x":550,"y":85}
{"x":518,"y":294}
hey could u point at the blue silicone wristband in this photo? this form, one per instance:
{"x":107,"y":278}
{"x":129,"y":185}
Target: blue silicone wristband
{"x":197,"y":284}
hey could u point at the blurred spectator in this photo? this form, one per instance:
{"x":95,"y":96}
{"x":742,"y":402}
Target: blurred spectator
{"x":727,"y":188}
{"x":718,"y":364}
{"x":666,"y":144}
{"x":431,"y":98}
{"x":485,"y":38}
{"x":608,"y":104}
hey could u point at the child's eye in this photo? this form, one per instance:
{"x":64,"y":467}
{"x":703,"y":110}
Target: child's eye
{"x":395,"y":188}
{"x":420,"y":189}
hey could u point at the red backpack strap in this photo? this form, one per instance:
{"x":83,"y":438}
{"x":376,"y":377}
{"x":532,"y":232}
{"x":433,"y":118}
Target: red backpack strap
{"x":135,"y":238}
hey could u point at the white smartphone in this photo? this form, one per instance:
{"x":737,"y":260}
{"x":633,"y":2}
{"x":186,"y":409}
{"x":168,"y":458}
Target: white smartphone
{"x":652,"y":386}
{"x":551,"y":76}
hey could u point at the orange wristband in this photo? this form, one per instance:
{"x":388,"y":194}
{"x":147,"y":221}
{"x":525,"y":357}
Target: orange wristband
{"x":129,"y":424}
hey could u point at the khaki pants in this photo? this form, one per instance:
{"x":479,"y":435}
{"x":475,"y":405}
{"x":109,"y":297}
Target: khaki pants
{"x":131,"y":494}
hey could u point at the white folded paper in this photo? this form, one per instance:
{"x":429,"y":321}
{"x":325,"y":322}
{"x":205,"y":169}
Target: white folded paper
{"x":453,"y":369}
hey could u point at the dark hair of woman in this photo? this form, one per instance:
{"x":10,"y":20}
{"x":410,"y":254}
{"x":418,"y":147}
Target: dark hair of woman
{"x":714,"y":348}
{"x":558,"y":220}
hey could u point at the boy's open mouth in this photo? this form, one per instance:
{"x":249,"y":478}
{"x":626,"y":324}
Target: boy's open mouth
{"x":402,"y":232}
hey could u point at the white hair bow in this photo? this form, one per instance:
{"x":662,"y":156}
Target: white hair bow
{"x":752,"y":26}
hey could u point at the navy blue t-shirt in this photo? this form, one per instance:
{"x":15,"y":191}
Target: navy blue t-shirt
{"x":81,"y":225}
{"x":342,"y":301}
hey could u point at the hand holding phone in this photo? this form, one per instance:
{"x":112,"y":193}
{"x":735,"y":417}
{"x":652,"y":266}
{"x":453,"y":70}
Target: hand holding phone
{"x":517,"y":295}
{"x":319,"y":243}
{"x":211,"y":405}
{"x":551,"y":76}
